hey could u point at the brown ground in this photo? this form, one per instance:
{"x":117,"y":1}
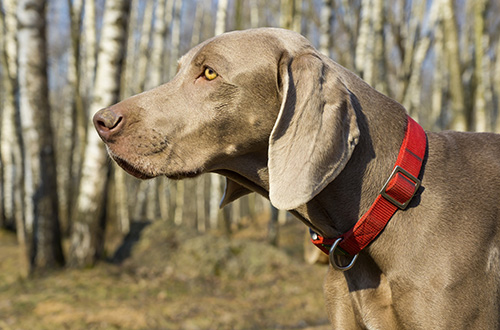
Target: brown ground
{"x":173,"y":281}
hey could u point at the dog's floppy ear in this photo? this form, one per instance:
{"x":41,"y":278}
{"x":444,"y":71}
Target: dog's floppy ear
{"x":232,"y":192}
{"x":315,"y":132}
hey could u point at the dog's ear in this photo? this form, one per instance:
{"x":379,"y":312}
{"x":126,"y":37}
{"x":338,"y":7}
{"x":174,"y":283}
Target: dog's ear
{"x":232,"y":192}
{"x":315,"y":132}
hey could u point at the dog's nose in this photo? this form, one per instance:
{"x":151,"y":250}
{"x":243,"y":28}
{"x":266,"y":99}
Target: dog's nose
{"x":108,"y":123}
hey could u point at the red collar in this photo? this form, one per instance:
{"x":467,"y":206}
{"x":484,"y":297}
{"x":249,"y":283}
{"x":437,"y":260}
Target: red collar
{"x":396,"y":194}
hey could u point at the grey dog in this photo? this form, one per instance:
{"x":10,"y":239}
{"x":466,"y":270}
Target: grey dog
{"x":269,"y":112}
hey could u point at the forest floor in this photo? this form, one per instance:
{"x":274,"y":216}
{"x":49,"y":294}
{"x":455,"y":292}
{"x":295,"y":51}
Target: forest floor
{"x":171,"y":279}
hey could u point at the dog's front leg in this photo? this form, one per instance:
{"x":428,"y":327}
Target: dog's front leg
{"x":360,"y":298}
{"x":338,"y":301}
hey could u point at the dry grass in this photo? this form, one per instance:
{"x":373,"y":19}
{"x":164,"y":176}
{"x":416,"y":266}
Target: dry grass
{"x":172,"y":281}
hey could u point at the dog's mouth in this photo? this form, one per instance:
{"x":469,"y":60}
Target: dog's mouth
{"x":134,"y":171}
{"x":183,"y":175}
{"x":131,"y":169}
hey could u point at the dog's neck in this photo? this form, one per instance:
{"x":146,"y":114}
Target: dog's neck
{"x":351,"y":194}
{"x":339,"y":206}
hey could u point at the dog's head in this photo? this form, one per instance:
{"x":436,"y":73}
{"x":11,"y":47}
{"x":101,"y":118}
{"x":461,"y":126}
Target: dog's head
{"x":260,"y":100}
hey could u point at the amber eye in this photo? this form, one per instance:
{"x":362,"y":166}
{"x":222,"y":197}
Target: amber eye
{"x":210,"y":74}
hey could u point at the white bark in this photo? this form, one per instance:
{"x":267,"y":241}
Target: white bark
{"x":412,"y":32}
{"x":89,"y":48}
{"x":67,"y":121}
{"x":105,"y":94}
{"x":40,"y":203}
{"x":297,"y":16}
{"x":200,"y":204}
{"x":142,"y":62}
{"x":286,"y":14}
{"x":379,"y":68}
{"x":92,"y":189}
{"x":411,"y":99}
{"x":176,"y":38}
{"x":459,"y":121}
{"x":220,"y":23}
{"x":130,"y":72}
{"x":163,"y":198}
{"x":325,"y":27}
{"x":121,"y":201}
{"x":197,"y":24}
{"x":157,"y":50}
{"x":179,"y":203}
{"x":28,"y":45}
{"x":363,"y":57}
{"x":10,"y":150}
{"x":169,"y":16}
{"x":497,"y":82}
{"x":482,"y":96}
{"x":439,"y":78}
{"x":254,"y":14}
{"x":215,"y":195}
{"x":10,"y":7}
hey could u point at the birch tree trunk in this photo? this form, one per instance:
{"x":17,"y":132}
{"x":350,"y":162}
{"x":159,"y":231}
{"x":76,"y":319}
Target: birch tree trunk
{"x":286,"y":14}
{"x":254,"y":14}
{"x":325,"y":40}
{"x":85,"y":80}
{"x":414,"y":50}
{"x":142,"y":61}
{"x":200,"y":204}
{"x":291,"y":15}
{"x":273,"y":227}
{"x":297,"y":16}
{"x":349,"y":22}
{"x":363,"y":58}
{"x":90,"y":54}
{"x":41,"y":212}
{"x":380,"y":75}
{"x":87,"y":237}
{"x":238,"y":15}
{"x":215,"y":180}
{"x":459,"y":120}
{"x":179,"y":203}
{"x":128,"y":71}
{"x":157,"y":51}
{"x":176,"y":38}
{"x":482,"y":118}
{"x":370,"y":47}
{"x":412,"y":98}
{"x":169,"y":17}
{"x":197,"y":24}
{"x":220,"y":23}
{"x":10,"y":147}
{"x":67,"y":123}
{"x":437,"y":96}
{"x":497,"y":84}
{"x":2,"y":75}
{"x":10,"y":34}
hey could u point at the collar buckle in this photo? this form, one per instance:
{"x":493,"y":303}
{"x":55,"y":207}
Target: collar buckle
{"x":400,"y":188}
{"x":336,"y":263}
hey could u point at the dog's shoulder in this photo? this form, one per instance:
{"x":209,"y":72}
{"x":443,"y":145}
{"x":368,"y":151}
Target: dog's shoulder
{"x":464,"y":157}
{"x":465,"y":143}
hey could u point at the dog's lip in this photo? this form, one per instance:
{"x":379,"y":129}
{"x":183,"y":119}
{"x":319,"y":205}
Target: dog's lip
{"x":131,"y":169}
{"x":134,"y":171}
{"x":183,"y":175}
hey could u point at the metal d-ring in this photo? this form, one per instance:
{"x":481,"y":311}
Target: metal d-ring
{"x":334,"y":263}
